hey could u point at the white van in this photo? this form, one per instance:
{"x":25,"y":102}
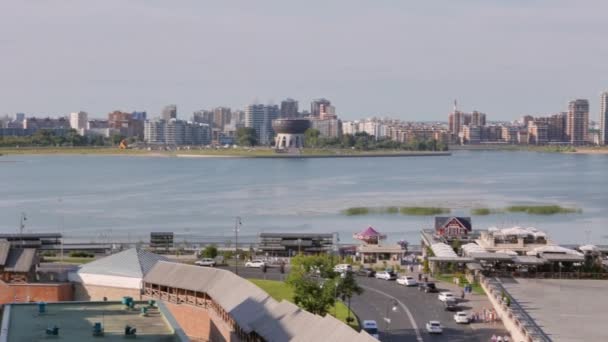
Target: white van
{"x":371,"y":327}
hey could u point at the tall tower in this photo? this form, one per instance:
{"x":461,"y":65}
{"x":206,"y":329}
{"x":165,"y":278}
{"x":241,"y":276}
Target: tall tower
{"x":169,"y":112}
{"x":578,"y":122}
{"x":289,"y":108}
{"x":604,"y":118}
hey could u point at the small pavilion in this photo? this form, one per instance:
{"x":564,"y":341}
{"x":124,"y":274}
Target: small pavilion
{"x":372,"y":252}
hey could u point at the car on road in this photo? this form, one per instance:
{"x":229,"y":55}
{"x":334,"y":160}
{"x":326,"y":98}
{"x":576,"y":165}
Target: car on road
{"x":434,"y":327}
{"x":341,"y":268}
{"x":461,"y":317}
{"x":427,"y":287}
{"x":205,"y":262}
{"x":445,"y":296}
{"x":451,"y":305}
{"x":255,"y":263}
{"x":386,"y":275}
{"x":366,"y":272}
{"x":371,"y":327}
{"x":407,"y":281}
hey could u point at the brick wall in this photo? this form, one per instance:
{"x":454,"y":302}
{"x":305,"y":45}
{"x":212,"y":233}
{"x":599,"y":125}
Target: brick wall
{"x":33,"y":292}
{"x":97,"y":293}
{"x":200,"y":324}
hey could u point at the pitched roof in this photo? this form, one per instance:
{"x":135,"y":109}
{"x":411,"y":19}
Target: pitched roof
{"x":134,"y":263}
{"x":5,"y":246}
{"x":20,"y":260}
{"x":251,"y":307}
{"x":442,"y":221}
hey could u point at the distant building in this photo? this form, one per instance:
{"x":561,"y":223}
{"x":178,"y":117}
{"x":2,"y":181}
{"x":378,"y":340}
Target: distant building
{"x":124,"y":123}
{"x":259,"y":117}
{"x":538,"y":132}
{"x":221,"y":117}
{"x":35,"y":124}
{"x":374,"y":252}
{"x":453,"y":227}
{"x":290,"y":244}
{"x":169,"y":112}
{"x":176,"y":133}
{"x":604,"y":118}
{"x":315,"y":106}
{"x":578,"y":122}
{"x":289,"y":108}
{"x":142,"y":116}
{"x":328,"y":112}
{"x":78,"y":121}
{"x":470,"y":134}
{"x":17,"y":265}
{"x":203,"y":116}
{"x":328,"y":128}
{"x":478,"y":119}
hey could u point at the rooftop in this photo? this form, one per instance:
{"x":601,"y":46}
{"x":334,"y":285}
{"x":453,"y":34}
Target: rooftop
{"x":132,"y":262}
{"x":75,"y":322}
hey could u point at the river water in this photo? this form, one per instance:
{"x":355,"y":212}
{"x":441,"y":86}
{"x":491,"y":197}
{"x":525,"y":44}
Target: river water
{"x":112,"y":198}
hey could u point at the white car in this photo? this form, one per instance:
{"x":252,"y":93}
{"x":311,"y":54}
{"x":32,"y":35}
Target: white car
{"x":461,"y":317}
{"x":371,"y":327}
{"x":446,"y":296}
{"x":205,"y":262}
{"x":341,"y":268}
{"x":385,"y":275}
{"x":407,"y":281}
{"x":255,"y":263}
{"x":434,"y":327}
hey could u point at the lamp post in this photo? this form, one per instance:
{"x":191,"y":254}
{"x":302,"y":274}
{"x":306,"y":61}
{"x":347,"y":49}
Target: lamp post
{"x":392,"y":305}
{"x":299,"y":246}
{"x":237,"y":224}
{"x":22,"y":220}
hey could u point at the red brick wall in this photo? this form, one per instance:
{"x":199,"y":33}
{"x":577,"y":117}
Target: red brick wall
{"x":198,"y":323}
{"x":35,"y":292}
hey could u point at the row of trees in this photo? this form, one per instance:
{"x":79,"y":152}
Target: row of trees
{"x":45,"y":137}
{"x":365,"y":141}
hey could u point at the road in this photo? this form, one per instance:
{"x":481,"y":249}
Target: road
{"x":422,"y":307}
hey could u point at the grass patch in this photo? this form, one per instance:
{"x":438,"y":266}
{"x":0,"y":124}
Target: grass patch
{"x":481,"y":211}
{"x":280,"y":290}
{"x":357,"y":211}
{"x":68,"y":260}
{"x":448,"y":278}
{"x":423,"y":211}
{"x":542,"y":209}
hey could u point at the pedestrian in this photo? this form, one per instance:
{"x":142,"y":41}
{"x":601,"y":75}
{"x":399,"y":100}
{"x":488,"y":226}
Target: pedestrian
{"x":494,"y":338}
{"x":411,"y":269}
{"x":462,"y":295}
{"x":419,"y":277}
{"x":506,"y":338}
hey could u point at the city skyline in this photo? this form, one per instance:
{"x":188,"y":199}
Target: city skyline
{"x":408,"y":61}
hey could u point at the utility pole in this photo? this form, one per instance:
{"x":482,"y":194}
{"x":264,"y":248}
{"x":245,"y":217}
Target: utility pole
{"x":237,"y":224}
{"x":22,"y":227}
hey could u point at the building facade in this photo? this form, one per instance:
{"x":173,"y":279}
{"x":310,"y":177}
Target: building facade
{"x":578,"y":122}
{"x":315,"y":106}
{"x":289,"y":108}
{"x":176,"y":133}
{"x":604,"y":118}
{"x":259,"y":117}
{"x":169,"y":112}
{"x":78,"y":121}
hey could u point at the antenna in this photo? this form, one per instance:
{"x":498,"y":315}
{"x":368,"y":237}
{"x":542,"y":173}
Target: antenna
{"x":455,"y":105}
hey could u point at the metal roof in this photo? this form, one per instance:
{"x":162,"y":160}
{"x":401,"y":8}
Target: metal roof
{"x":20,"y":260}
{"x":491,"y":256}
{"x":528,"y":260}
{"x":5,"y":246}
{"x":134,"y":263}
{"x":251,"y":307}
{"x":562,"y":257}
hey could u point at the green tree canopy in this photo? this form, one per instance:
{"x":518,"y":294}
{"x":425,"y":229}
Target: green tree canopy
{"x":210,"y":252}
{"x":246,"y":136}
{"x":314,"y":283}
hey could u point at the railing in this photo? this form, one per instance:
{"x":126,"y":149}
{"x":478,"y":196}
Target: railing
{"x":550,"y":275}
{"x":515,"y":311}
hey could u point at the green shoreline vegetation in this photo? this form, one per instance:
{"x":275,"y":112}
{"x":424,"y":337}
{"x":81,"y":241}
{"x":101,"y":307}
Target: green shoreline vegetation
{"x":527,"y":209}
{"x":419,"y":211}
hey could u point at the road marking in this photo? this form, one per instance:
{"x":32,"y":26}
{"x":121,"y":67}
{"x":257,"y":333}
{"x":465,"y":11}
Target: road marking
{"x":407,"y":311}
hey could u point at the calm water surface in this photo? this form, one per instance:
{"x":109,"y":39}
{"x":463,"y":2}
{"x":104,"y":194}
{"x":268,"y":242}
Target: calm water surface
{"x":104,"y":198}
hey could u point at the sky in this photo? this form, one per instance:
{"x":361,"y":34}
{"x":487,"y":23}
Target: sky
{"x":400,"y":59}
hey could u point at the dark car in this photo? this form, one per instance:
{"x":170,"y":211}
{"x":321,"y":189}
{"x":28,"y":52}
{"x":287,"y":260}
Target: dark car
{"x":451,"y":305}
{"x":366,"y":272}
{"x":427,"y":287}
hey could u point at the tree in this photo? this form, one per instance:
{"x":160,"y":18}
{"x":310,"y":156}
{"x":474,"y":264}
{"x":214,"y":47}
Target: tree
{"x":246,"y":136}
{"x":456,"y":244}
{"x":210,"y":252}
{"x":311,"y":137}
{"x":312,"y":278}
{"x":348,"y":287}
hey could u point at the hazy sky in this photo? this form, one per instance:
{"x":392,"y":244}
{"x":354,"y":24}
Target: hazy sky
{"x":405,"y":59}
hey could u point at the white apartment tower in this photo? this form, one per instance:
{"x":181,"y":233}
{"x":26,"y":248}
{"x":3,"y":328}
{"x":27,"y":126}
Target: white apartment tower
{"x":604,"y":118}
{"x":78,"y":121}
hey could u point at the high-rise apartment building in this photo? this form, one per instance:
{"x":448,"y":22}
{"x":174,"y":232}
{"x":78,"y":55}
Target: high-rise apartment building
{"x":604,"y":118}
{"x":578,"y":122}
{"x":78,"y":121}
{"x":221,"y":117}
{"x":176,"y":132}
{"x":315,"y":106}
{"x":478,"y":119}
{"x":169,"y":112}
{"x":327,"y":112}
{"x":259,"y":117}
{"x":289,"y":108}
{"x":203,"y":116}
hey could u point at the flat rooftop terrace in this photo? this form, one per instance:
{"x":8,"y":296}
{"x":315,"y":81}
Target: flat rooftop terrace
{"x":566,"y":310}
{"x":76,"y":320}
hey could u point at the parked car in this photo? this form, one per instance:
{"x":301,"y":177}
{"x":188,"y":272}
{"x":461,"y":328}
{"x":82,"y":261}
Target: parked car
{"x":386,"y":275}
{"x":366,"y":272}
{"x":371,"y":327}
{"x":205,"y":262}
{"x":407,"y":281}
{"x":461,"y":317}
{"x":434,"y":327}
{"x":255,"y":263}
{"x":445,"y":296}
{"x":340,"y":268}
{"x":451,"y":305}
{"x":427,"y":287}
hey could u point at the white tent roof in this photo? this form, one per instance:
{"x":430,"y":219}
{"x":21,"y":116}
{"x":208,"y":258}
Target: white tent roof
{"x":507,"y":252}
{"x":588,"y":248}
{"x":519,"y":231}
{"x":472,"y":248}
{"x":441,"y":249}
{"x":553,"y":249}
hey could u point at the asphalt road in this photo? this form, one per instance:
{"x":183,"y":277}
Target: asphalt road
{"x":413,"y":305}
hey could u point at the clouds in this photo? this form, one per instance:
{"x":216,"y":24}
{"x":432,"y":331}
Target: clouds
{"x":369,"y":58}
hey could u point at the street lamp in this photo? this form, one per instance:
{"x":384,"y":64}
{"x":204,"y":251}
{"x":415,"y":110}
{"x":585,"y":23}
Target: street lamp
{"x":237,"y":225}
{"x":392,"y":305}
{"x":299,"y":246}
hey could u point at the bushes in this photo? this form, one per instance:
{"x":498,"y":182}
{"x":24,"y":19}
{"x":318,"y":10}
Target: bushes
{"x":81,"y":254}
